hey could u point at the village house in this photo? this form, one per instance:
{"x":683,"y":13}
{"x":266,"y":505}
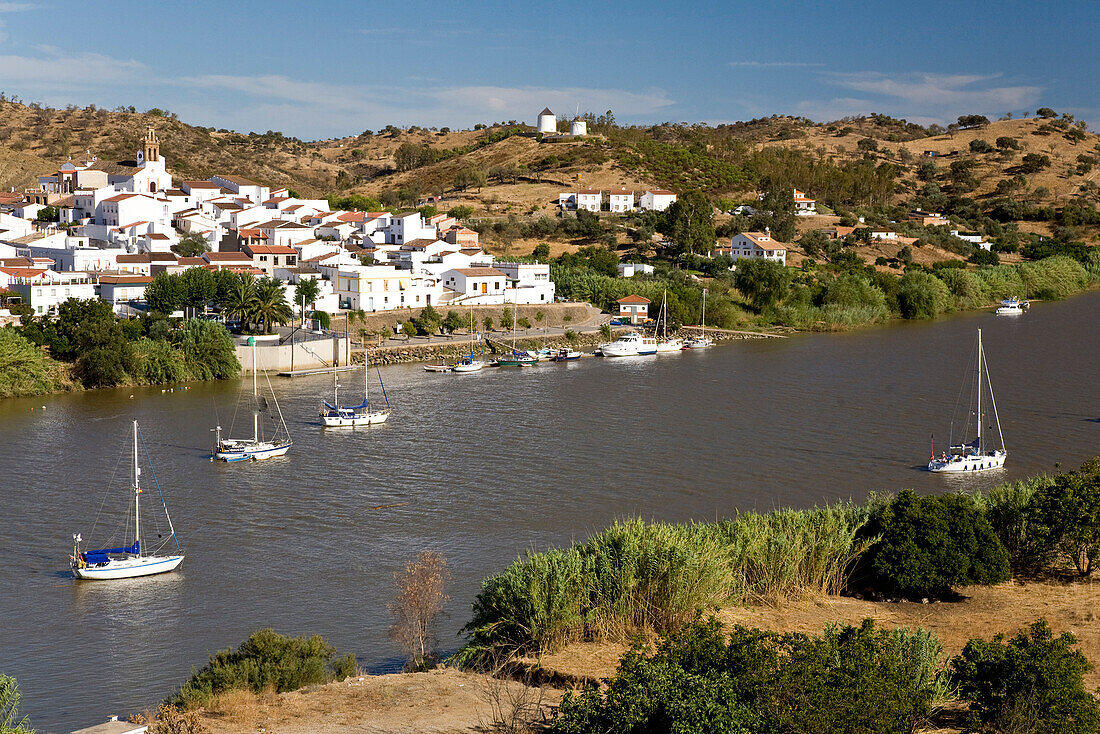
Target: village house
{"x":379,"y":288}
{"x":634,"y":308}
{"x":620,"y":201}
{"x":476,"y":286}
{"x":121,"y":290}
{"x":527,"y":282}
{"x":927,"y":219}
{"x":656,"y":200}
{"x":756,"y":245}
{"x":804,"y":206}
{"x":629,"y":270}
{"x":462,"y":236}
{"x":269,"y":257}
{"x":44,"y":290}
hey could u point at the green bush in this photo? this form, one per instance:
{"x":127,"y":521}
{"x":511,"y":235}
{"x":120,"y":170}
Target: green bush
{"x":926,"y":546}
{"x":265,"y":660}
{"x":157,"y":362}
{"x":848,"y":680}
{"x":1032,"y":683}
{"x":1063,"y":519}
{"x":208,"y":350}
{"x":26,"y":369}
{"x":1007,"y":509}
{"x":922,"y":295}
{"x":321,"y":317}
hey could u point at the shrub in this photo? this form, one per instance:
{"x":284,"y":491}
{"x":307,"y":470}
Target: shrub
{"x":208,"y":350}
{"x":321,"y":317}
{"x":922,"y":295}
{"x":1032,"y":683}
{"x":1006,"y":509}
{"x":850,"y":679}
{"x":1063,"y":517}
{"x":157,"y":362}
{"x":926,"y":546}
{"x":26,"y":369}
{"x":265,"y":660}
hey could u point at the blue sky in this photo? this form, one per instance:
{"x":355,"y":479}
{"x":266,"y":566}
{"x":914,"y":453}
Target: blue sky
{"x":321,"y":69}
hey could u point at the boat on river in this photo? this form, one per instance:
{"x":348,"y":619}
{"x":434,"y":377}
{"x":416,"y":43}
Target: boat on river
{"x":980,"y":454}
{"x":258,"y":447}
{"x":129,"y":561}
{"x":1012,"y":307}
{"x":701,"y":341}
{"x":666,"y":345}
{"x":469,"y":363}
{"x":334,"y":415}
{"x":630,"y":344}
{"x":565,"y":355}
{"x":516,"y":358}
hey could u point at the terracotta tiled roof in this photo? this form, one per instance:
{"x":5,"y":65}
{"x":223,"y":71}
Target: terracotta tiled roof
{"x":630,"y":300}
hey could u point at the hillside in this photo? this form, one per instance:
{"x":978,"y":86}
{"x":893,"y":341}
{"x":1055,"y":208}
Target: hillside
{"x":868,"y":162}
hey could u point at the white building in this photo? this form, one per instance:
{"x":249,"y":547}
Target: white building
{"x":476,"y":286}
{"x":656,"y":200}
{"x":382,"y":288}
{"x":578,"y":128}
{"x":120,"y":290}
{"x":591,"y":200}
{"x":629,"y":270}
{"x":620,"y":200}
{"x":804,"y":206}
{"x":547,"y":122}
{"x":527,"y":282}
{"x":45,"y":290}
{"x":254,"y":192}
{"x":757,"y":245}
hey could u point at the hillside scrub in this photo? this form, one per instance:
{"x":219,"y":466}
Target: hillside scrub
{"x":265,"y":660}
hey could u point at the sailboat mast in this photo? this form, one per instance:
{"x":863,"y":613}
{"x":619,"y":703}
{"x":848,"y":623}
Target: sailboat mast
{"x":703,"y":323}
{"x":137,"y":493}
{"x":335,"y":387}
{"x":255,"y":399}
{"x":979,"y":391}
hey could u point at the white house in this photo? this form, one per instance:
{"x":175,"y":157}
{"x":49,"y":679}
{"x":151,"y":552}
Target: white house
{"x":578,"y":128}
{"x":476,"y":286}
{"x":621,"y":200}
{"x":635,"y":308}
{"x":527,"y":282}
{"x":254,"y":192}
{"x":119,"y":290}
{"x":548,"y":123}
{"x":656,"y":200}
{"x":759,"y":245}
{"x":382,"y":288}
{"x":804,"y":206}
{"x":591,"y":199}
{"x":45,"y":290}
{"x":629,"y":270}
{"x":567,"y":201}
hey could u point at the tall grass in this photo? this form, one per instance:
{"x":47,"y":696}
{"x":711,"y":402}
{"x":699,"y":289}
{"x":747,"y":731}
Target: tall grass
{"x":637,"y":575}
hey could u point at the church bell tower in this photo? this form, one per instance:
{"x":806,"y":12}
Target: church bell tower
{"x":150,"y":147}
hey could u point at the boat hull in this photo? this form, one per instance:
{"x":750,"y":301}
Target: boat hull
{"x":128,"y":568}
{"x":672,"y":346}
{"x":971,"y":464}
{"x":261,"y":452}
{"x":474,"y":367}
{"x":438,"y":368}
{"x":357,"y":419}
{"x":517,"y":362}
{"x":1009,"y":311}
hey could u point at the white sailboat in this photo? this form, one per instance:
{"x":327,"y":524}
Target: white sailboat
{"x":256,"y":448}
{"x":334,"y":415}
{"x":700,"y":342}
{"x":976,"y":455}
{"x":516,"y":358}
{"x":129,"y":561}
{"x":665,"y":345}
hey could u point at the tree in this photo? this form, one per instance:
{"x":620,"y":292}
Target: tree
{"x":307,"y":291}
{"x":763,"y":282}
{"x":1006,"y":143}
{"x":192,"y":244}
{"x":409,"y":329}
{"x":198,"y":288}
{"x":606,"y":333}
{"x":428,"y":321}
{"x":1045,"y":113}
{"x":922,"y":295}
{"x":49,"y":214}
{"x":1064,"y":518}
{"x":524,"y":323}
{"x":968,"y":121}
{"x":165,"y":293}
{"x":507,"y":317}
{"x":453,"y":322}
{"x":208,"y":350}
{"x":689,"y":223}
{"x":470,"y":177}
{"x":927,"y":171}
{"x":813,"y":243}
{"x":487,"y":322}
{"x":270,"y":306}
{"x":1034,"y":162}
{"x":867,"y":145}
{"x":1032,"y":683}
{"x":539,"y":317}
{"x":240,"y":298}
{"x":980,"y":146}
{"x":926,"y":546}
{"x":10,"y":720}
{"x":462,"y":211}
{"x":421,"y":594}
{"x":541,"y":253}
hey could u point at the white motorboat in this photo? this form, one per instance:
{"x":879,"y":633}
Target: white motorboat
{"x":128,"y":561}
{"x":1012,"y":307}
{"x":630,"y":344}
{"x":256,"y":448}
{"x":334,"y":415}
{"x":976,"y":455}
{"x":566,"y":355}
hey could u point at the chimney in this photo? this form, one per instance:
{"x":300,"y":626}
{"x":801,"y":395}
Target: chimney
{"x":767,"y":230}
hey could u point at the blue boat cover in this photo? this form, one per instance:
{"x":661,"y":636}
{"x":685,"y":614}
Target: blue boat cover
{"x":362,"y":406}
{"x":93,"y":557}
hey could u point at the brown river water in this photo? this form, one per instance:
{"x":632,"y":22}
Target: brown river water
{"x":479,"y":467}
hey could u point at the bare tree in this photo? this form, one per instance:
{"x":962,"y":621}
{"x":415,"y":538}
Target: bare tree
{"x":419,"y":602}
{"x":517,"y":702}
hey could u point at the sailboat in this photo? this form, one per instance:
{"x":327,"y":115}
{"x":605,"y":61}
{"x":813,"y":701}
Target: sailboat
{"x":128,"y":561}
{"x":334,"y":415}
{"x":976,"y":455}
{"x":470,"y":362}
{"x":665,"y":345}
{"x":516,"y":358}
{"x":255,"y":448}
{"x":700,"y":342}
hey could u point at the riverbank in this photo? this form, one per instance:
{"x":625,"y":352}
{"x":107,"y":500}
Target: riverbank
{"x":450,"y":700}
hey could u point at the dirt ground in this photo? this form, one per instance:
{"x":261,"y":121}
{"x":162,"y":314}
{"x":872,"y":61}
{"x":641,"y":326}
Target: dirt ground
{"x":453,"y":701}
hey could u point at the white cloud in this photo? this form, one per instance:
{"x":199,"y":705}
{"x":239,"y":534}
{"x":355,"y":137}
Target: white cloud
{"x":56,"y":71}
{"x":11,"y":8}
{"x":934,"y":92}
{"x":775,"y":64}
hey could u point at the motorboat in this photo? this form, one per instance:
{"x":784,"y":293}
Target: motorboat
{"x":1012,"y":307}
{"x":630,"y":344}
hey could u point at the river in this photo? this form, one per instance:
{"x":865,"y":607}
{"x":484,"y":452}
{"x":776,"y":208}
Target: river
{"x":479,"y":467}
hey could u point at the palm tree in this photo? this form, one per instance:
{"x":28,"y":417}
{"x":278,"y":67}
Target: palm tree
{"x":270,"y":306}
{"x":240,"y":298}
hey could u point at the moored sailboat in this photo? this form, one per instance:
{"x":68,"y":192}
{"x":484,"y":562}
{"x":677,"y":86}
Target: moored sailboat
{"x":666,"y":345}
{"x":976,"y":455}
{"x":334,"y":415}
{"x":256,"y":448}
{"x":128,"y":561}
{"x":700,"y":342}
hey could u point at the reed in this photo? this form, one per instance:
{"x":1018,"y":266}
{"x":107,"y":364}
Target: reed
{"x":655,"y":576}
